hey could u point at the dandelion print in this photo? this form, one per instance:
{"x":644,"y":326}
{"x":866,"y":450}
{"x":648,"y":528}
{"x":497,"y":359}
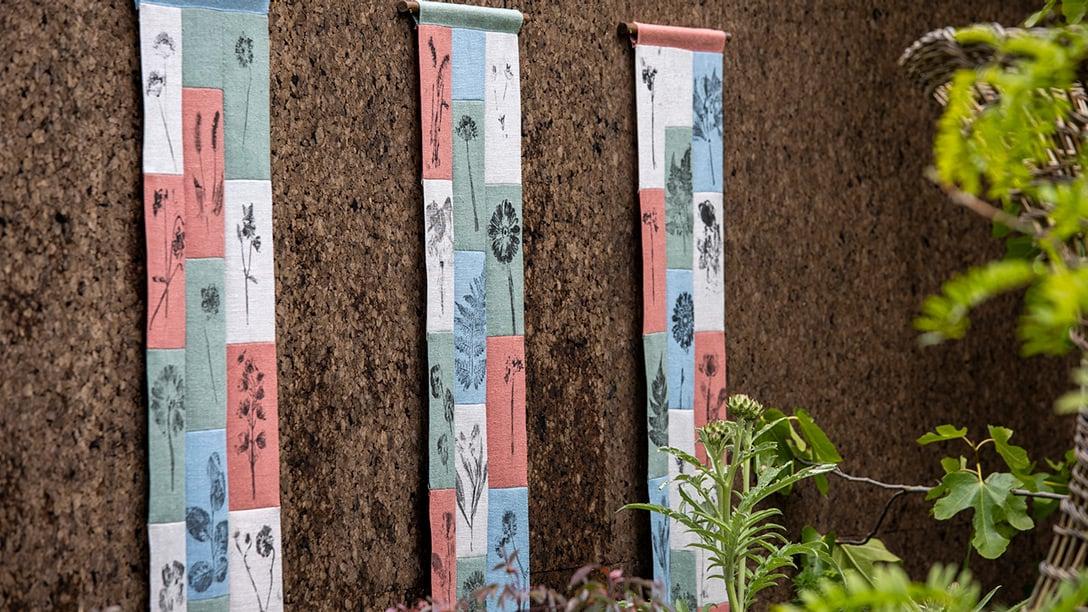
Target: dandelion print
{"x":504,"y":231}
{"x":243,"y":53}
{"x":466,"y":130}
{"x":209,"y":304}
{"x":168,"y":408}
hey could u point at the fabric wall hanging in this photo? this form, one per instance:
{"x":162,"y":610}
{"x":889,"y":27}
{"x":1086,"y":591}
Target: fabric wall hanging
{"x":214,"y":517}
{"x":678,"y":80}
{"x":470,"y":99}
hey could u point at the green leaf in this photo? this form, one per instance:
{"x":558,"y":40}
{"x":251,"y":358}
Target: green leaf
{"x":1035,"y":18}
{"x":990,"y":500}
{"x":1074,"y":10}
{"x":822,"y":449}
{"x":863,"y":558}
{"x":943,"y":433}
{"x":1015,"y":457}
{"x":950,"y":464}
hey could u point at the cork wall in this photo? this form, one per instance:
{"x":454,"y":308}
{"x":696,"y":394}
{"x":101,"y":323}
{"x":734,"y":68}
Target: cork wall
{"x":833,"y":239}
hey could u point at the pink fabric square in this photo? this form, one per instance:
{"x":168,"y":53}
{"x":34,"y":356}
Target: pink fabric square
{"x":253,"y":440}
{"x":654,"y":260}
{"x":507,"y":456}
{"x":710,"y":387}
{"x":202,"y":138}
{"x":436,"y":100}
{"x":164,"y":222}
{"x":443,"y":510}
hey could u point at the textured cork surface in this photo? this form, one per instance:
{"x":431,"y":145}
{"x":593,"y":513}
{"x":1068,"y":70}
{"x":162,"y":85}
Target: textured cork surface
{"x":832,"y":241}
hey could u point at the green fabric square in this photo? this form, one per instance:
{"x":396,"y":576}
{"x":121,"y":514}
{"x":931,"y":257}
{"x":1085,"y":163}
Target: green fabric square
{"x":471,"y":572}
{"x":206,"y":345}
{"x":469,"y":208}
{"x":245,"y":95}
{"x":219,"y":604}
{"x":679,"y":206}
{"x":202,"y":58}
{"x":505,"y":262}
{"x":166,"y":434}
{"x":657,"y":404}
{"x":442,"y":471}
{"x":682,"y":572}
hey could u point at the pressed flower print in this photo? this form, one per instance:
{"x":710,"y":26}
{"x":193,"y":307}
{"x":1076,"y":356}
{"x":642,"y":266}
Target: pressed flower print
{"x":205,"y":340}
{"x":440,"y":401}
{"x":252,"y":425}
{"x":443,"y":511}
{"x":167,"y":569}
{"x":469,"y":328}
{"x":469,"y":191}
{"x":707,"y":118}
{"x":166,"y":418}
{"x":506,"y":440}
{"x":470,"y":426}
{"x":202,"y":112}
{"x":502,"y":148}
{"x":508,"y":535}
{"x":708,"y":262}
{"x":164,"y":222}
{"x":505,"y":257}
{"x":680,"y":339}
{"x":245,"y":95}
{"x":250,"y":273}
{"x":652,"y":220}
{"x":436,"y":93}
{"x":256,"y":560}
{"x":160,"y":60}
{"x":438,"y":251}
{"x":659,"y":525}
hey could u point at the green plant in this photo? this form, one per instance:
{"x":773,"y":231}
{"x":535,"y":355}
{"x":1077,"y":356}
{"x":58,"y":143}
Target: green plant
{"x":891,"y":589}
{"x":722,"y":502}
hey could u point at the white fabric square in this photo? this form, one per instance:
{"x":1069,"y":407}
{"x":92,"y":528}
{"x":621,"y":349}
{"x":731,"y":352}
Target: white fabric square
{"x":708,"y":262}
{"x":168,"y":570}
{"x":663,"y":98}
{"x":682,"y":436}
{"x":160,"y":65}
{"x":470,"y":447}
{"x":711,"y":590}
{"x":438,"y":250}
{"x":256,"y":560}
{"x":250,"y":269}
{"x":502,"y":110}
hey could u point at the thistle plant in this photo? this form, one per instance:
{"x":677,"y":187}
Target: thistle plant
{"x":720,"y":502}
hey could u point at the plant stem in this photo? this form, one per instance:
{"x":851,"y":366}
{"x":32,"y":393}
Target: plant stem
{"x":513,"y":382}
{"x":472,"y":187}
{"x":710,"y":161}
{"x":245,"y":123}
{"x":211,"y":373}
{"x":510,"y":284}
{"x":166,"y":131}
{"x":170,"y":442}
{"x":926,"y":489}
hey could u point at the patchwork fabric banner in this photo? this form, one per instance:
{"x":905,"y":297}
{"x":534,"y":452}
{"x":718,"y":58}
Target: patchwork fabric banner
{"x":213,"y":432}
{"x":678,"y":79}
{"x":471,"y":122}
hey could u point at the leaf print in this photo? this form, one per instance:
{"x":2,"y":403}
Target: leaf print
{"x":509,"y":532}
{"x":251,"y":411}
{"x":473,"y":583}
{"x":710,"y":367}
{"x":467,"y":131}
{"x":505,"y":234}
{"x":218,"y":494}
{"x":649,"y":219}
{"x":197,"y":523}
{"x":168,"y":408}
{"x":172,"y":593}
{"x":708,"y":115}
{"x":683,"y":328}
{"x":440,"y":240}
{"x":679,"y":220}
{"x":201,"y":576}
{"x":660,"y":536}
{"x":439,"y":103}
{"x":173,"y":252}
{"x":659,"y":407}
{"x":470,"y":337}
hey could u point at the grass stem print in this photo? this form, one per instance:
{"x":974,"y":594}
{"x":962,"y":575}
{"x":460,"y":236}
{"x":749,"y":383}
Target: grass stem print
{"x":470,"y":103}
{"x":213,"y":427}
{"x":678,"y":89}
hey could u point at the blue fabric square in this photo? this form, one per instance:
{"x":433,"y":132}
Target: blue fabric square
{"x":507,"y":532}
{"x":659,"y":533}
{"x":680,"y":337}
{"x":468,"y":64}
{"x":206,"y":525}
{"x":707,"y":122}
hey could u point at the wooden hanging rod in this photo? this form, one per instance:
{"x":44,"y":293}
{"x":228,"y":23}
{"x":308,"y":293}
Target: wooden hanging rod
{"x":408,"y":6}
{"x":630,"y":30}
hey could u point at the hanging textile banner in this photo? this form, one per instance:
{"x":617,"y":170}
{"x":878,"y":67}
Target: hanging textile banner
{"x":213,"y":429}
{"x":470,"y":100}
{"x":678,"y":80}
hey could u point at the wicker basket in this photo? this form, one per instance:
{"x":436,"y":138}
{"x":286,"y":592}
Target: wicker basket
{"x":931,"y":62}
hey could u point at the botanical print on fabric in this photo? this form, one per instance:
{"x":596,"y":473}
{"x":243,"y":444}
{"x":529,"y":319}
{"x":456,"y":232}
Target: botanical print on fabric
{"x":659,"y":532}
{"x":164,"y":222}
{"x":470,"y":426}
{"x":253,"y":426}
{"x":160,"y":53}
{"x":168,"y":569}
{"x":206,"y":513}
{"x":470,"y":102}
{"x":678,"y":93}
{"x":202,"y":121}
{"x":213,"y":442}
{"x":443,"y":511}
{"x":508,"y":537}
{"x":250,"y":273}
{"x":256,"y":560}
